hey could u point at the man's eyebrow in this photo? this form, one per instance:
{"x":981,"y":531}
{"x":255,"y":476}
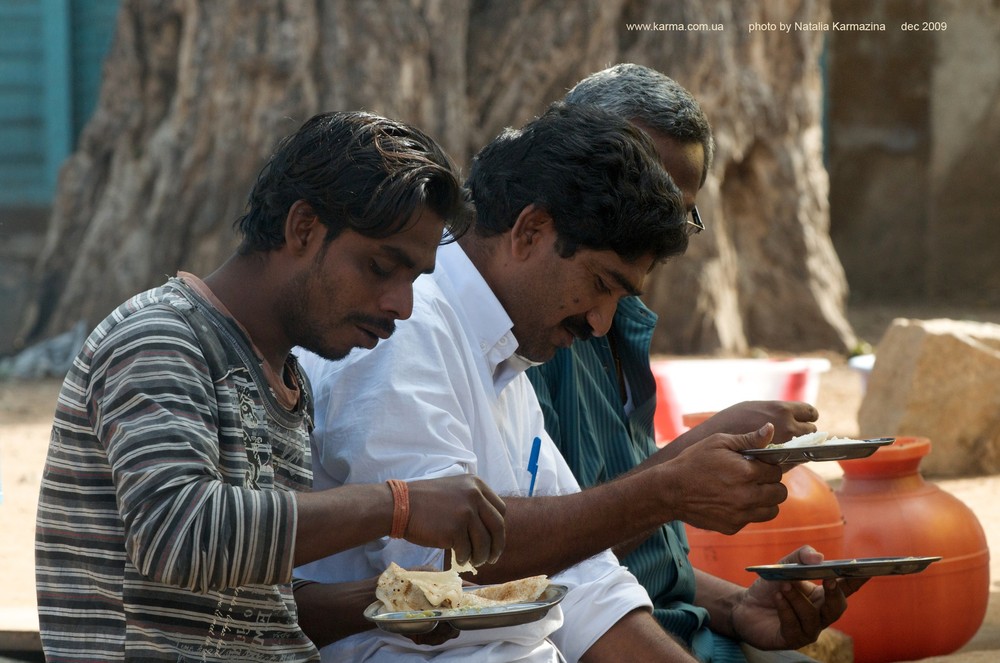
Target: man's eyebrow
{"x":623,"y":281}
{"x":403,"y":258}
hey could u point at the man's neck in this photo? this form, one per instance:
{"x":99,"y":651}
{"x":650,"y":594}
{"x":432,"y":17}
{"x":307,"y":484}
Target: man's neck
{"x":242,"y":285}
{"x":482,"y":253}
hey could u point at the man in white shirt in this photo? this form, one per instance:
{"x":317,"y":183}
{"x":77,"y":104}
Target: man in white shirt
{"x":573,"y":211}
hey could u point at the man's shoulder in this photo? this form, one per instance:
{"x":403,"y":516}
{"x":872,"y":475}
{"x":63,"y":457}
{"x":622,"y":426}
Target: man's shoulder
{"x":160,"y":305}
{"x":154,"y":320}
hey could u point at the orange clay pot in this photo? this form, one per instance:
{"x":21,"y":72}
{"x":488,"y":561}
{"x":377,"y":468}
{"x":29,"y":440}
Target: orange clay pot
{"x":810,"y":515}
{"x":889,"y":510}
{"x":667,"y":421}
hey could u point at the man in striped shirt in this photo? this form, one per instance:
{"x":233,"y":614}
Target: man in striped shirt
{"x":176,"y":497}
{"x":598,"y":397}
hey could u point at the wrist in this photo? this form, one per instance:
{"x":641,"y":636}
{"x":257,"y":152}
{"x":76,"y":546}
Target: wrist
{"x":668,"y":492}
{"x":733,"y":622}
{"x":400,"y":508}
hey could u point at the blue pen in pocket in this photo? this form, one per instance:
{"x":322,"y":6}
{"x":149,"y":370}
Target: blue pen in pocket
{"x":536,"y":446}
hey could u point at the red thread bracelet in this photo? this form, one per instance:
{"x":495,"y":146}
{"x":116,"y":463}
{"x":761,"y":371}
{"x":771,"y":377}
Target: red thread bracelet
{"x":400,"y":507}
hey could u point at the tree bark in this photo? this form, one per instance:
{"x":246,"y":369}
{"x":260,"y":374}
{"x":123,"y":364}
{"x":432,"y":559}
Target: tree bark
{"x":195,"y":95}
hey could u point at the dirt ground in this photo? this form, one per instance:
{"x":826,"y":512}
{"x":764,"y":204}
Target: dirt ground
{"x":25,"y":417}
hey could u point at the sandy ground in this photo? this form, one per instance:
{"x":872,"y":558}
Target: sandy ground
{"x":25,"y":415}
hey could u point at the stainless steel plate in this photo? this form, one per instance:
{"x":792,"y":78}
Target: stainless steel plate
{"x":826,"y":451}
{"x":465,"y":619}
{"x":863,"y":567}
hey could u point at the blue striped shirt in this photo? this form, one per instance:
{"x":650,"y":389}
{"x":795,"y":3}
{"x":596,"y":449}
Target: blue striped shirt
{"x":581,"y":398}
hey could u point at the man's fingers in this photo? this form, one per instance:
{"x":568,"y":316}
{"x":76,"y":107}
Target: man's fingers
{"x":440,"y":634}
{"x":486,"y":534}
{"x":788,"y":621}
{"x":804,"y":411}
{"x":763,"y":435}
{"x":481,"y":538}
{"x":492,"y":515}
{"x":851,"y":585}
{"x":494,"y":522}
{"x":754,"y":439}
{"x":495,"y":500}
{"x":463,"y":549}
{"x":806,"y":624}
{"x":480,"y":541}
{"x":803,"y":555}
{"x":834,"y":601}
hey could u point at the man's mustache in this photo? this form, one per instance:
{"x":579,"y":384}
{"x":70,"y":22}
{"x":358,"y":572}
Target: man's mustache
{"x":579,"y":327}
{"x":382,"y":324}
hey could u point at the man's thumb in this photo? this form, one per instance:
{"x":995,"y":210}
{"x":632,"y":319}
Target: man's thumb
{"x":762,"y":436}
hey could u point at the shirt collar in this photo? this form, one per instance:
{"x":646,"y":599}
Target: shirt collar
{"x":486,"y":320}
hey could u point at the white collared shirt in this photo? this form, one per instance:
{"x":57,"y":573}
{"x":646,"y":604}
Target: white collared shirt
{"x":447,"y":394}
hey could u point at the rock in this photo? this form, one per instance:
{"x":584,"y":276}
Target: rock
{"x":938,"y":379}
{"x":907,"y":180}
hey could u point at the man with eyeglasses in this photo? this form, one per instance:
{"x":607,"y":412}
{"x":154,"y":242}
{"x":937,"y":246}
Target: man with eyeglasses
{"x":598,"y":397}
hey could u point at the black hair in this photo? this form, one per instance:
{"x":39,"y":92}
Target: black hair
{"x":597,"y":175}
{"x":357,"y":171}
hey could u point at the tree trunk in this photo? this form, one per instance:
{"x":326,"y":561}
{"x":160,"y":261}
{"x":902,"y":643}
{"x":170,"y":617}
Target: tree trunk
{"x":195,"y":95}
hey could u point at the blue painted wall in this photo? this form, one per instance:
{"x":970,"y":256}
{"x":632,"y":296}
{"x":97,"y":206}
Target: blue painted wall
{"x":51,"y":55}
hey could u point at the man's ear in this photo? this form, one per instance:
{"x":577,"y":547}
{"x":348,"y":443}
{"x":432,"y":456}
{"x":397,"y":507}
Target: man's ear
{"x":532,"y":229}
{"x":302,"y":227}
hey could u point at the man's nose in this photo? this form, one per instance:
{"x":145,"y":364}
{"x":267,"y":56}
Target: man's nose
{"x":600,"y":317}
{"x":398,"y":301}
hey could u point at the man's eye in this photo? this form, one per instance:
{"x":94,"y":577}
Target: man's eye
{"x":602,"y":286}
{"x":378,"y":269}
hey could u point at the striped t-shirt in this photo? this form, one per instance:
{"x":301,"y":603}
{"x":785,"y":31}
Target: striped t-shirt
{"x":166,"y":517}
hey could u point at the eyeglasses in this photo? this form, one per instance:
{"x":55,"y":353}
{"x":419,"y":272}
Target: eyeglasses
{"x":695,"y":224}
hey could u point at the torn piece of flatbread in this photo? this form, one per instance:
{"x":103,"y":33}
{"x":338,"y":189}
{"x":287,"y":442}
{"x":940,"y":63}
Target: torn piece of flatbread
{"x":523,"y":590}
{"x":462,"y":568}
{"x":400,"y":590}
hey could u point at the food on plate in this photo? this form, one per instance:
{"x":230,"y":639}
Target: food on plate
{"x":807,"y":440}
{"x":400,"y":590}
{"x":523,"y":590}
{"x":814,"y":440}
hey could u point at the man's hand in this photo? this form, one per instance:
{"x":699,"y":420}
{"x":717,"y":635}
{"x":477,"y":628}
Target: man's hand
{"x":711,"y":485}
{"x":790,"y":418}
{"x":790,"y":614}
{"x":460,"y":513}
{"x":441,"y":633}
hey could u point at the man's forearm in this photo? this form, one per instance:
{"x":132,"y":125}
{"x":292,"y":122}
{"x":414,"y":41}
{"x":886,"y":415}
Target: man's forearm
{"x":366,"y":515}
{"x":546,"y":534}
{"x":718,"y":596}
{"x":637,"y":637}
